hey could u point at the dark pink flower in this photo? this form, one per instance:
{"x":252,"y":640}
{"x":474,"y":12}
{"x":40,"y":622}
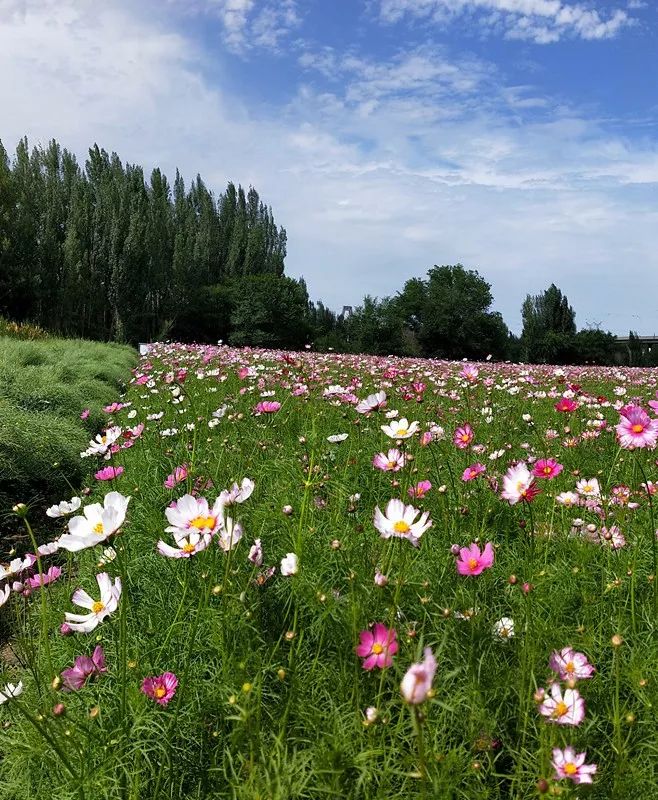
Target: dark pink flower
{"x":377,"y":647}
{"x":161,"y":688}
{"x":472,"y":472}
{"x":463,"y":436}
{"x":419,"y":490}
{"x":267,"y":407}
{"x":566,"y":404}
{"x":53,"y":573}
{"x":75,"y":677}
{"x":177,"y":476}
{"x":473,"y":562}
{"x":547,"y":468}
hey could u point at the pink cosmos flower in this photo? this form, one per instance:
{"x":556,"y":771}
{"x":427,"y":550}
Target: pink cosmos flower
{"x":108,"y":473}
{"x":43,"y":579}
{"x":636,"y":428}
{"x":569,"y":765}
{"x":547,"y":468}
{"x":267,"y":407}
{"x":426,"y":438}
{"x":654,"y":403}
{"x":567,"y":709}
{"x":463,"y":436}
{"x":419,"y":490}
{"x":570,"y":665}
{"x":113,"y":408}
{"x":470,"y":373}
{"x":177,"y":476}
{"x":75,"y":677}
{"x":566,"y":405}
{"x":377,"y":647}
{"x":417,"y":681}
{"x":161,"y":688}
{"x":473,"y":562}
{"x":472,"y":472}
{"x":85,"y":414}
{"x":393,"y":461}
{"x":519,"y":485}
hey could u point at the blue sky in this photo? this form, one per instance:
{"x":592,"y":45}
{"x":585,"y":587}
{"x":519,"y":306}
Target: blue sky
{"x":518,"y":137}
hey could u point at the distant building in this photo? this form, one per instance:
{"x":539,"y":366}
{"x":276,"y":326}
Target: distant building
{"x":347,"y":312}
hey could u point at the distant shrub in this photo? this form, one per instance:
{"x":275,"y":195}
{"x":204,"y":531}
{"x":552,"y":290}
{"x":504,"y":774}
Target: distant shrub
{"x":21,"y":330}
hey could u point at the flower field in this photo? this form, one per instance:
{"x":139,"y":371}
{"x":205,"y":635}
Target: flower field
{"x":318,"y":576}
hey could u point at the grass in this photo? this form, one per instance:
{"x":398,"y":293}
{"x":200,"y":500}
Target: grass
{"x":271,"y":698}
{"x":44,"y":387}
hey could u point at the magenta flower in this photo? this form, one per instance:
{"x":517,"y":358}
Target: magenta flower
{"x":393,"y":461}
{"x":43,"y":579}
{"x":161,"y":688}
{"x":547,"y":468}
{"x":566,"y":405}
{"x":108,"y":473}
{"x":569,"y":765}
{"x":113,"y":408}
{"x":473,"y":562}
{"x":472,"y":472}
{"x":567,"y":709}
{"x":419,"y":490}
{"x":570,"y":665}
{"x":75,"y":677}
{"x":463,"y":436}
{"x":636,"y":428}
{"x":654,"y":403}
{"x":267,"y":407}
{"x":377,"y":647}
{"x":417,"y":681}
{"x":177,"y":476}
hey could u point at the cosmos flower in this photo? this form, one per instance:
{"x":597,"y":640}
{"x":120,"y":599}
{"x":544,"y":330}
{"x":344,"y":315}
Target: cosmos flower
{"x":567,"y":709}
{"x":377,"y":647}
{"x":267,"y":407}
{"x":569,"y":765}
{"x":108,"y":473}
{"x":566,"y":405}
{"x":398,"y":521}
{"x":161,"y":688}
{"x":463,"y":436}
{"x":373,"y":402}
{"x":473,"y":562}
{"x":519,"y":485}
{"x":5,"y":591}
{"x":417,"y":680}
{"x":64,"y":508}
{"x":187,"y":545}
{"x":190,"y":514}
{"x":636,"y":428}
{"x":567,"y":499}
{"x":472,"y":472}
{"x":570,"y":665}
{"x":75,"y":677}
{"x":289,"y":565}
{"x":419,"y":490}
{"x":97,"y":524}
{"x":98,"y":609}
{"x":10,"y":690}
{"x":547,"y":468}
{"x":256,"y":553}
{"x":588,"y":488}
{"x":229,"y":534}
{"x":393,"y":461}
{"x":237,"y":494}
{"x":504,"y":628}
{"x":177,"y":476}
{"x":400,"y":429}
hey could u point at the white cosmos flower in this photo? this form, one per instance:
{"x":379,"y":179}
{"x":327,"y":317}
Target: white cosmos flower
{"x":10,"y":691}
{"x":588,"y":488}
{"x":98,"y":609}
{"x":186,"y":546}
{"x":191,"y":514}
{"x":4,"y":594}
{"x":400,"y":429}
{"x":398,"y":521}
{"x":64,"y":508}
{"x":98,"y":523}
{"x":289,"y":565}
{"x":100,"y":446}
{"x":229,"y":534}
{"x":504,"y":628}
{"x":16,"y":566}
{"x":336,"y":438}
{"x":567,"y":499}
{"x":373,"y":402}
{"x":237,"y":494}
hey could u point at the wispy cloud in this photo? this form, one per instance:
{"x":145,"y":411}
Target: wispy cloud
{"x":539,"y":21}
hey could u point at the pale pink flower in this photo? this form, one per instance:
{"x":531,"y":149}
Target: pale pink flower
{"x":636,"y":428}
{"x":473,"y":562}
{"x":177,"y":476}
{"x":419,"y":490}
{"x":267,"y":407}
{"x":567,"y":709}
{"x":374,"y":402}
{"x":393,"y":461}
{"x":570,"y":665}
{"x":377,"y":647}
{"x":569,"y":765}
{"x":108,"y":473}
{"x":417,"y":681}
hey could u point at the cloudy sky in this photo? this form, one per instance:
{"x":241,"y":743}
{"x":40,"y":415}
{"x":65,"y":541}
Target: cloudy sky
{"x":518,"y":137}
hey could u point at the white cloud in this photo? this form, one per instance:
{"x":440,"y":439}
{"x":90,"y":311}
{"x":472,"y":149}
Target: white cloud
{"x":539,"y":21}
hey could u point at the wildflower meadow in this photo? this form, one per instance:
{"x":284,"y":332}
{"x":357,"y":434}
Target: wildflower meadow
{"x":303,"y":575}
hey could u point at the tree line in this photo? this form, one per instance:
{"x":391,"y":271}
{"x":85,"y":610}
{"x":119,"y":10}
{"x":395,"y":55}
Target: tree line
{"x":99,"y":252}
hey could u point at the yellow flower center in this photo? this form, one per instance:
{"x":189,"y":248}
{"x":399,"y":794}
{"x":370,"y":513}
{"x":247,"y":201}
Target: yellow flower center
{"x":560,"y":709}
{"x":464,"y":437}
{"x":188,"y":548}
{"x":202,"y":522}
{"x":401,"y":527}
{"x":402,"y":429}
{"x":570,"y":768}
{"x":98,"y":528}
{"x":472,"y":563}
{"x":547,"y":470}
{"x":636,"y":429}
{"x":569,"y":667}
{"x":392,"y":464}
{"x":160,"y":692}
{"x":98,"y":607}
{"x":377,"y":648}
